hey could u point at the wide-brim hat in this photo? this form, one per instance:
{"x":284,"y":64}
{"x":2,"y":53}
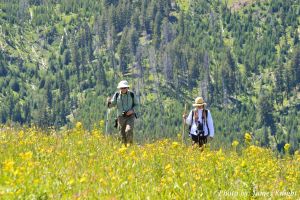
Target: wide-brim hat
{"x":123,"y":84}
{"x":199,"y":102}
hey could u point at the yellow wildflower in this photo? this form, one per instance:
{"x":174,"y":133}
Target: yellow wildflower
{"x":122,"y":149}
{"x":8,"y":165}
{"x":170,"y":179}
{"x":82,"y":179}
{"x":235,"y":143}
{"x":21,"y":134}
{"x":36,"y":181}
{"x":71,"y":181}
{"x":132,"y":153}
{"x":26,"y":156}
{"x":130,"y":177}
{"x":16,"y":172}
{"x":248,"y":137}
{"x":243,"y":164}
{"x":175,"y":144}
{"x":287,"y":147}
{"x":101,"y":123}
{"x":168,"y":167}
{"x":78,"y":125}
{"x":181,"y":174}
{"x":144,"y":155}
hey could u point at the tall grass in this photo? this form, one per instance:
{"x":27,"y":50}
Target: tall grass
{"x":77,"y":164}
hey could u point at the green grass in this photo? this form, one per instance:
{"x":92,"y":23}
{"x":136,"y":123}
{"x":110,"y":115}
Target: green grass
{"x":230,"y":2}
{"x":77,"y":164}
{"x":183,"y":4}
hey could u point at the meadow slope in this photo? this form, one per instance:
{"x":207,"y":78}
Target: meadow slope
{"x":77,"y":164}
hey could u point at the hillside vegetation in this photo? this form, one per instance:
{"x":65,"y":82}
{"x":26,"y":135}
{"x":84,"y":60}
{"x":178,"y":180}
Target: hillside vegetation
{"x":78,"y":164}
{"x":60,"y":59}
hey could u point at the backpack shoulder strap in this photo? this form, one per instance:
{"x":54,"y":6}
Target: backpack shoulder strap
{"x":192,"y":115}
{"x":204,"y":114}
{"x":204,"y":118}
{"x":117,"y":95}
{"x":132,"y":96}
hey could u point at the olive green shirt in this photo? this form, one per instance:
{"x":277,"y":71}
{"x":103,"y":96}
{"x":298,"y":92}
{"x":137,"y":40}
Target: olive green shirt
{"x":124,"y":102}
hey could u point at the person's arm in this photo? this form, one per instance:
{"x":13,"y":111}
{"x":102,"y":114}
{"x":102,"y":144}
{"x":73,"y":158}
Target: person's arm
{"x":188,"y":120}
{"x":210,"y":124}
{"x":112,"y":101}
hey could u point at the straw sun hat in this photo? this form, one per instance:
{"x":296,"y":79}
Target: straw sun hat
{"x":199,"y":102}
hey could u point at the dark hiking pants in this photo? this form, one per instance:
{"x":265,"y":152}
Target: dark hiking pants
{"x":197,"y":139}
{"x":126,"y":125}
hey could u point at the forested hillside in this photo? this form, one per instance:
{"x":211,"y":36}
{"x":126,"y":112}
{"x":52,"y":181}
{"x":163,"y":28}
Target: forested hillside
{"x":60,"y":59}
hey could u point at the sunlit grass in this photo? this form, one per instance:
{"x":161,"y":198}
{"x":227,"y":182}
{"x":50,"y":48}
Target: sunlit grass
{"x":230,"y":2}
{"x":77,"y":164}
{"x":183,"y":4}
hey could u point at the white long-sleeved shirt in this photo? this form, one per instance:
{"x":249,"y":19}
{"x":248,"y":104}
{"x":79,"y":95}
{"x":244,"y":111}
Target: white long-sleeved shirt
{"x":210,"y":123}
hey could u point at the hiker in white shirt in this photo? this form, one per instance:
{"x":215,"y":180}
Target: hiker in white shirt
{"x":200,"y":123}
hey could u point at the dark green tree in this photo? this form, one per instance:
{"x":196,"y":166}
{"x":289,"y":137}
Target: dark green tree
{"x":123,"y":51}
{"x":265,"y":111}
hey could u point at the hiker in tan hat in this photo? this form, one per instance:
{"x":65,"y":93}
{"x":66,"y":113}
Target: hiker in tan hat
{"x":126,"y":104}
{"x":200,"y":123}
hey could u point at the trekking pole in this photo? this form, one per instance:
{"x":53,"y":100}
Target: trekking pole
{"x":107,"y":121}
{"x":183,"y":126}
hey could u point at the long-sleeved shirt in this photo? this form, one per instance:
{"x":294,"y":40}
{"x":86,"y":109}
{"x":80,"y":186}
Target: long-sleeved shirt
{"x":124,"y":102}
{"x":209,"y":124}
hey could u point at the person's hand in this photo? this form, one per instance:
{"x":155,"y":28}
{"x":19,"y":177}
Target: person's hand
{"x":108,"y":101}
{"x":129,"y":112}
{"x":184,"y":116}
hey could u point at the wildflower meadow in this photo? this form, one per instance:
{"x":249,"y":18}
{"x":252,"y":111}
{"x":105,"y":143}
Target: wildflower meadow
{"x":79,"y":164}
